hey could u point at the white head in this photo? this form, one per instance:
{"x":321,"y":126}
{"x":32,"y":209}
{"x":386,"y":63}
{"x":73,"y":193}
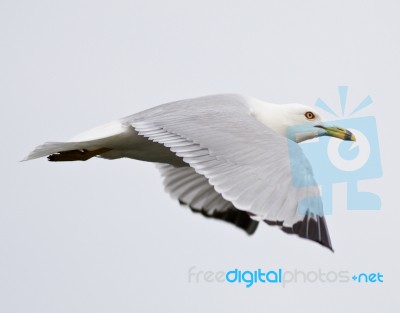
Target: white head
{"x":297,"y":122}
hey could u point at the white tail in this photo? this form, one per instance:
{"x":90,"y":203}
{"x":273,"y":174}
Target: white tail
{"x":84,"y":146}
{"x":49,"y":148}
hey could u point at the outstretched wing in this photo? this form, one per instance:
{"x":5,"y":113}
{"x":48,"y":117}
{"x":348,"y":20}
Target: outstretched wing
{"x":194,"y":190}
{"x":249,"y":165}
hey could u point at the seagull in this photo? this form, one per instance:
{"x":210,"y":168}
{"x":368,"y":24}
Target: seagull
{"x":229,"y":157}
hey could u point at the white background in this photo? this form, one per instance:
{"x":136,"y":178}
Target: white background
{"x":102,"y":236}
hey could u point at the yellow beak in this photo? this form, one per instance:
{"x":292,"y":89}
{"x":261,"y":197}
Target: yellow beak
{"x":338,"y":132}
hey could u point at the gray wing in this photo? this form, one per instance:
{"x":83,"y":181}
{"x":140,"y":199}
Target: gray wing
{"x":194,"y":190}
{"x":247,"y":163}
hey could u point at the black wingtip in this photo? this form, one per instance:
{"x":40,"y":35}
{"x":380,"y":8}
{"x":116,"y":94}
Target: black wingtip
{"x":312,"y":228}
{"x":233,"y":216}
{"x":238,"y":218}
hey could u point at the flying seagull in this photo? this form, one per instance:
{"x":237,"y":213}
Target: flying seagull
{"x":228,"y":157}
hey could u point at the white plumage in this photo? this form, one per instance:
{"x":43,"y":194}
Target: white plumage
{"x":225,"y":156}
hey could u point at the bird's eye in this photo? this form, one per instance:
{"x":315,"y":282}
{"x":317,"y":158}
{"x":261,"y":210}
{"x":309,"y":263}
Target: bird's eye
{"x":309,"y":115}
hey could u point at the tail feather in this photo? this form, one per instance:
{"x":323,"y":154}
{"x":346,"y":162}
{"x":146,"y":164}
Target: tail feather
{"x":49,"y":148}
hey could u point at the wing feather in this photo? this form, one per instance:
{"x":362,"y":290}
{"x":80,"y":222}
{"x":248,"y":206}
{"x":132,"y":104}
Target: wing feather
{"x":193,"y":189}
{"x":248,"y":164}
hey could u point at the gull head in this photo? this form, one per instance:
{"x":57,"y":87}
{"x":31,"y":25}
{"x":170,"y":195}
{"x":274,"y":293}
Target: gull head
{"x":298,"y":122}
{"x":302,"y":122}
